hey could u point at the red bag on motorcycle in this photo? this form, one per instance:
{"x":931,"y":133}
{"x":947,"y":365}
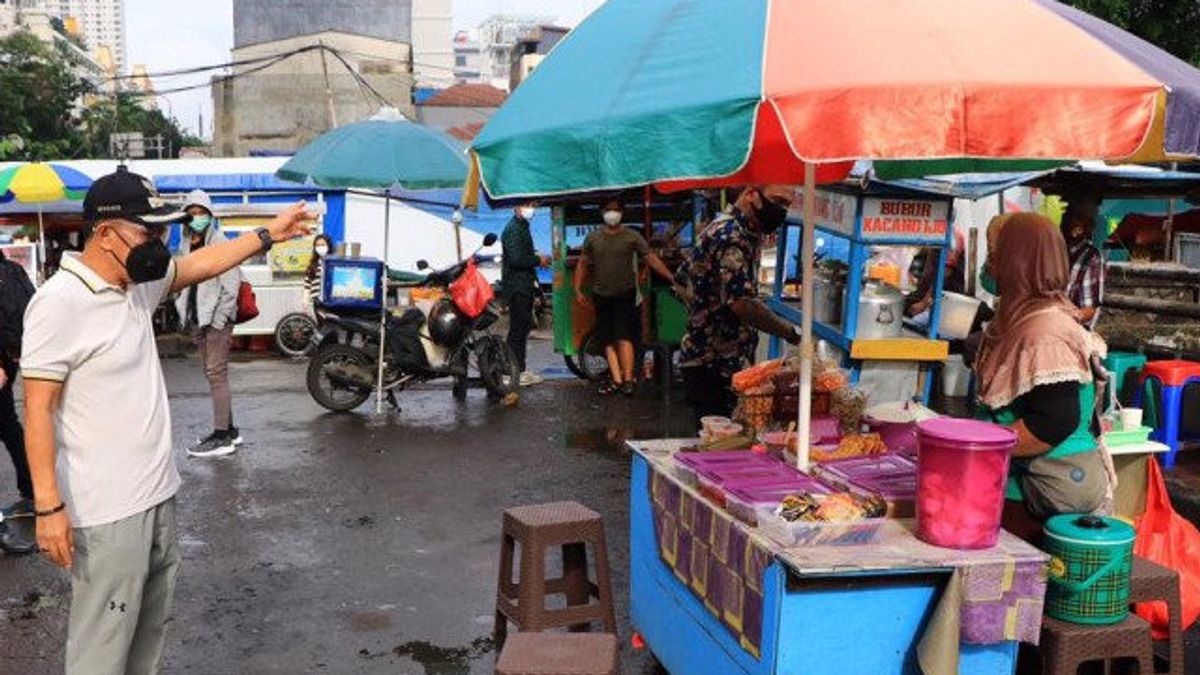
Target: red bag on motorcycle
{"x":471,"y":292}
{"x":1167,"y":538}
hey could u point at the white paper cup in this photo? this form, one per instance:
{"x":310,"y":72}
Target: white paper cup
{"x":1131,"y":418}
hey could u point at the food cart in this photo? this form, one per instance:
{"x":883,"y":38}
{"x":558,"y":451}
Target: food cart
{"x":667,"y":223}
{"x":869,"y":219}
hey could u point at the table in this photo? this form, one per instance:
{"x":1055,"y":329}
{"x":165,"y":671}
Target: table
{"x":877,"y":608}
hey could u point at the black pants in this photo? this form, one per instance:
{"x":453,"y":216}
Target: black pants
{"x":13,"y":435}
{"x":708,"y":391}
{"x":520,"y":322}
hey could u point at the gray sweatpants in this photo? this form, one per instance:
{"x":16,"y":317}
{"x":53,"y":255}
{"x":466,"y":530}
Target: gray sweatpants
{"x":122,"y":585}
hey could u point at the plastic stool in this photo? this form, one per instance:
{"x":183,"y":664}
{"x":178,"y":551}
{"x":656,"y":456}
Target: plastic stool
{"x":570,"y":527}
{"x":1152,"y":582}
{"x":559,"y":654}
{"x":1067,"y":646}
{"x":1173,"y":377}
{"x":1120,"y":364}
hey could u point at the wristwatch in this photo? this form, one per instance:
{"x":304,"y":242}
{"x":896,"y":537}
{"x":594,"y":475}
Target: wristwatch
{"x":264,"y":236}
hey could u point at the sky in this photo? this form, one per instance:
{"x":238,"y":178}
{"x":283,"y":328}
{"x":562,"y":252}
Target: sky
{"x":172,"y":34}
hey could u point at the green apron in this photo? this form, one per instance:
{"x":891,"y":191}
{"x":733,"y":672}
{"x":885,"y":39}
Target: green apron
{"x":1080,"y":440}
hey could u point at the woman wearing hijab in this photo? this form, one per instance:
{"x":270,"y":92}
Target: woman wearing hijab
{"x":208,"y":311}
{"x":1035,"y":375}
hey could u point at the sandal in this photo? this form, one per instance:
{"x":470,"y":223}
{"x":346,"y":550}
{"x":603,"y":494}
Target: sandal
{"x":609,"y":388}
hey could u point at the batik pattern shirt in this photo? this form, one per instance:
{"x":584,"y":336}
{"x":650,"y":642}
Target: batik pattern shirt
{"x":1086,"y":286}
{"x":721,"y":269}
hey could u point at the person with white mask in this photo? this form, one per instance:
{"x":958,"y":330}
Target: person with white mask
{"x":612,"y":257}
{"x":518,"y":280}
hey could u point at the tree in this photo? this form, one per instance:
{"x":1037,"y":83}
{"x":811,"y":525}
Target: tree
{"x":125,"y":114}
{"x":39,"y":92}
{"x":1173,"y":25}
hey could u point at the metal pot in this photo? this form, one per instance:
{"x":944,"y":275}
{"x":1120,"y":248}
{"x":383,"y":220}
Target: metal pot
{"x":828,"y":292}
{"x":880,"y":312}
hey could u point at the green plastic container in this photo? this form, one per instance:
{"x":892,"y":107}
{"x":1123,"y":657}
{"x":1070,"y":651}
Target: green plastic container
{"x":670,"y":317}
{"x":1090,"y":562}
{"x":1126,"y":368}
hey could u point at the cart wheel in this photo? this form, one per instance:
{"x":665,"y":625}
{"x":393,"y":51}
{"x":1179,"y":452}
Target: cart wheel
{"x":591,"y":360}
{"x":293,"y":334}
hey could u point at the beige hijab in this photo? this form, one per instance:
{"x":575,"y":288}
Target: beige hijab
{"x":1035,"y":338}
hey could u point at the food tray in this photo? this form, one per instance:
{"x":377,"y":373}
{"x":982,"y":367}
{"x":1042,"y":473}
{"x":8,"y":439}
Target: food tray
{"x":687,"y":464}
{"x":891,"y":476}
{"x":743,"y":500}
{"x":802,"y":533}
{"x":712,"y":483}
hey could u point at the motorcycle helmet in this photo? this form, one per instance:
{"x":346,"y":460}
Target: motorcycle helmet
{"x":447,"y":326}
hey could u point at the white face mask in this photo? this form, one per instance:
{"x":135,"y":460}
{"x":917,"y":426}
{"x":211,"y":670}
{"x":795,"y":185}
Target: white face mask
{"x":612,"y":217}
{"x":527,"y":212}
{"x":321,"y":251}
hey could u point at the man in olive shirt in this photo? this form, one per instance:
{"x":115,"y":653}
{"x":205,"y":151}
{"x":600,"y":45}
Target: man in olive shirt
{"x":613,"y":256}
{"x":518,"y":279}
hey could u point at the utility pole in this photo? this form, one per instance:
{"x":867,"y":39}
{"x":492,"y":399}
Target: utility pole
{"x":328,"y":89}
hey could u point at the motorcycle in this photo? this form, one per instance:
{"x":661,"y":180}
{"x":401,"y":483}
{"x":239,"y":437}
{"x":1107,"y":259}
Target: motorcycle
{"x":418,"y":348}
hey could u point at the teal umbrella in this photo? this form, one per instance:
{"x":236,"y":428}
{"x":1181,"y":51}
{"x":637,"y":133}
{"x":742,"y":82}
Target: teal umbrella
{"x":385,"y":152}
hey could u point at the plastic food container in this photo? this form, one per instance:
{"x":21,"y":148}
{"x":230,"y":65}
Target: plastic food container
{"x":804,"y":533}
{"x":897,"y":423}
{"x":712,"y":482}
{"x":892,"y":476}
{"x":961,"y":471}
{"x":823,"y":430}
{"x":688,"y":463}
{"x":743,"y":500}
{"x":1091,"y":559}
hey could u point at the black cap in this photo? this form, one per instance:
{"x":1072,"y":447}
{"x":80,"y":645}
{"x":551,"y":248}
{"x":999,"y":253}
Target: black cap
{"x":125,"y":195}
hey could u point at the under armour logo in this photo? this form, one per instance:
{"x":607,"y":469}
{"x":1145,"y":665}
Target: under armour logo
{"x":114,"y":607}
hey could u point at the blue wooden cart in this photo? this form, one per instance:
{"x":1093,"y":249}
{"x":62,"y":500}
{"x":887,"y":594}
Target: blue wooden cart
{"x":867,"y":617}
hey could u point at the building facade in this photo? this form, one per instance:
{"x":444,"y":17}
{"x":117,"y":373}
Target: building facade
{"x":433,"y":53}
{"x":498,"y":37}
{"x":101,"y":25}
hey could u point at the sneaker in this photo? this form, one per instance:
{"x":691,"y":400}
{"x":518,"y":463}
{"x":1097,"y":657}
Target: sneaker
{"x":528,"y":379}
{"x":217,"y":443}
{"x":19,"y":535}
{"x":628,"y":389}
{"x":236,"y":435}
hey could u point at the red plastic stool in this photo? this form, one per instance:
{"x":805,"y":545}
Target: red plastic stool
{"x":1173,"y":377}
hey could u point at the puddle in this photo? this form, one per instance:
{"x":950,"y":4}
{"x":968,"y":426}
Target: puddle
{"x":445,"y":660}
{"x":610,"y":441}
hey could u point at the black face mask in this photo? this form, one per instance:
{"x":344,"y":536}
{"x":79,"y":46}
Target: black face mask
{"x":770,"y":215}
{"x":146,"y":262}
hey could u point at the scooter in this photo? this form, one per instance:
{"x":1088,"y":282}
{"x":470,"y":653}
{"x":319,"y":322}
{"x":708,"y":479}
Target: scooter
{"x":418,"y":348}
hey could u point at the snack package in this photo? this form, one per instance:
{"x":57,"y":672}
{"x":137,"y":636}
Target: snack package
{"x":755,"y":376}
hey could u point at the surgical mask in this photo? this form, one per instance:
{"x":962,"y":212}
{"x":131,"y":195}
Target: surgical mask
{"x":526,"y":212}
{"x":146,"y":262}
{"x":321,"y":251}
{"x":988,"y":282}
{"x":612,"y":218}
{"x":770,"y":215}
{"x":200,"y":223}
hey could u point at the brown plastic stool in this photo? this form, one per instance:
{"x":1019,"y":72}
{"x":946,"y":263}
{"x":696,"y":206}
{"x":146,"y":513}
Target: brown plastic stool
{"x":1150,"y":582}
{"x":1066,"y":646}
{"x":571,"y":527}
{"x":559,"y":654}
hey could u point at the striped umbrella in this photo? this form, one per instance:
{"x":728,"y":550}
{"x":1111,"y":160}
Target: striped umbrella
{"x":692,"y":93}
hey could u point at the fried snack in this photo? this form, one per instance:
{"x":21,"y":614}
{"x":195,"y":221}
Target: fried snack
{"x":755,"y":376}
{"x":853,"y":445}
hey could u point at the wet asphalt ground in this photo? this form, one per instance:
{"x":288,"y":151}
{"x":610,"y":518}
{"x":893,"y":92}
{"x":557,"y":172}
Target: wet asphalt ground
{"x":348,"y":544}
{"x":351,"y":544}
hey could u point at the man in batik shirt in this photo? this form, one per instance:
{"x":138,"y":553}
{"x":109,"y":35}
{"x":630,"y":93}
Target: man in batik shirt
{"x":719,"y":283}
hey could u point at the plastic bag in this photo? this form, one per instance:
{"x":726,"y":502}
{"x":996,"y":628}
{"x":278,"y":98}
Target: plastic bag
{"x":1167,"y":538}
{"x":471,"y":292}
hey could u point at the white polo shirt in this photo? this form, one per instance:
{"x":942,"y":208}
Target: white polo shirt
{"x":113,"y":423}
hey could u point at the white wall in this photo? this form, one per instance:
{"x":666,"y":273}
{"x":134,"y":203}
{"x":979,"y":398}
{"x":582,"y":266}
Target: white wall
{"x":415,"y":235}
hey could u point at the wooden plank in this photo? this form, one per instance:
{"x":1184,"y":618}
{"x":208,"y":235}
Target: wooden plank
{"x":900,"y":349}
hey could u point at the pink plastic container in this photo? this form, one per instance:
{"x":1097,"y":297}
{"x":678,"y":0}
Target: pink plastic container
{"x":689,"y":464}
{"x":962,"y":467}
{"x":712,"y":482}
{"x":742,"y":500}
{"x":892,"y":476}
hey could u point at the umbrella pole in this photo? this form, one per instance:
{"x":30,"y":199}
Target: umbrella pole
{"x":41,"y":248}
{"x":807,"y":246}
{"x":387,"y":217}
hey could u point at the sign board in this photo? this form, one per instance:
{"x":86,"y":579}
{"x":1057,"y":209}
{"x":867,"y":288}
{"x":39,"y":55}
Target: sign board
{"x":291,"y":257}
{"x":905,"y":220}
{"x":835,"y":211}
{"x":24,"y":255}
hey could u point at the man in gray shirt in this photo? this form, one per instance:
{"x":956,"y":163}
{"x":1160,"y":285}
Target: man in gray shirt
{"x":97,"y":422}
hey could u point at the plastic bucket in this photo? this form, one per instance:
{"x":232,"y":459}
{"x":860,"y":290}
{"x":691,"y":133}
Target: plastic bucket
{"x":958,"y":315}
{"x":956,"y":377}
{"x":962,"y":466}
{"x":896,"y":424}
{"x":1090,"y":563}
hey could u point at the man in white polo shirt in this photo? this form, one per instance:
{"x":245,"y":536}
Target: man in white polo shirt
{"x":98,"y":427}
